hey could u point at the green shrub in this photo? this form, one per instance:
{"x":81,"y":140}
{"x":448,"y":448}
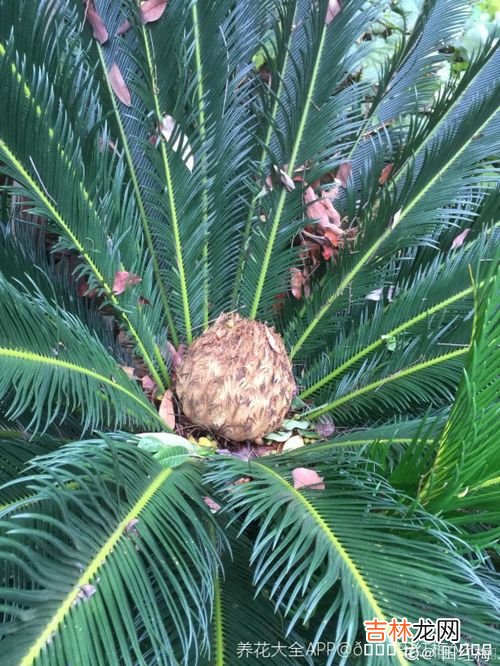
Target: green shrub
{"x":219,"y":156}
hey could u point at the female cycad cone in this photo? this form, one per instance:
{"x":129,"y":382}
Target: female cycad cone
{"x":236,"y":379}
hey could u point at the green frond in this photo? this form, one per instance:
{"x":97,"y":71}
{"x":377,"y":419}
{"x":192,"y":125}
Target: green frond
{"x":75,"y":198}
{"x":16,"y":451}
{"x":317,"y":67}
{"x":354,"y":550}
{"x":463,"y":482}
{"x":238,"y":618}
{"x":448,"y":165}
{"x":53,"y":365}
{"x":111,"y":556}
{"x":421,"y":318}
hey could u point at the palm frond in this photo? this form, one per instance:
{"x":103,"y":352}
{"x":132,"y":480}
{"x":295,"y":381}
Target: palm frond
{"x":53,"y":365}
{"x":463,"y":482}
{"x":355,"y":546}
{"x":59,"y":185}
{"x":317,"y":67}
{"x":108,"y":538}
{"x":444,"y":167}
{"x":420,"y":320}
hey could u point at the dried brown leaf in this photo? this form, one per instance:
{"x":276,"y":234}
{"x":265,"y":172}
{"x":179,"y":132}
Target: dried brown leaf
{"x":124,"y":279}
{"x":166,"y":410}
{"x":296,"y":282}
{"x":307,"y":478}
{"x":152,"y":10}
{"x":385,"y":173}
{"x":99,"y":31}
{"x":176,"y":354}
{"x":322,"y":211}
{"x":118,"y":84}
{"x":148,"y":384}
{"x":212,"y":505}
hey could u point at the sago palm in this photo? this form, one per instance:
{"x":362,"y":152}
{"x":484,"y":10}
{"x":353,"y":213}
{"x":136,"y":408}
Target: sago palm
{"x":190,"y":188}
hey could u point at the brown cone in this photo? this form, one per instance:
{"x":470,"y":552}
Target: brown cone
{"x":236,"y":379}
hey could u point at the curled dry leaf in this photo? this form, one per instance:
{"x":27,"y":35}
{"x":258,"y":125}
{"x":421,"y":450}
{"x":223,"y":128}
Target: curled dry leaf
{"x":180,"y":144}
{"x":296,"y":283}
{"x":212,"y":505}
{"x":167,"y":409}
{"x":458,"y":241}
{"x":99,"y":31}
{"x":124,"y":279}
{"x":118,"y":84}
{"x":151,"y":11}
{"x":321,"y":209}
{"x":333,"y":9}
{"x":307,"y":478}
{"x":240,"y":481}
{"x":385,"y":173}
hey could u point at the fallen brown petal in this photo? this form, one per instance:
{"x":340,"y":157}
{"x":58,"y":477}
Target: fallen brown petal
{"x":307,"y":478}
{"x":458,"y":241}
{"x":166,"y":410}
{"x":123,"y":28}
{"x":99,"y":31}
{"x":118,"y":84}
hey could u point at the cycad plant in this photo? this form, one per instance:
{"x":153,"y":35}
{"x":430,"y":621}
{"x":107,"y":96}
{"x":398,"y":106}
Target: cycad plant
{"x":190,"y":188}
